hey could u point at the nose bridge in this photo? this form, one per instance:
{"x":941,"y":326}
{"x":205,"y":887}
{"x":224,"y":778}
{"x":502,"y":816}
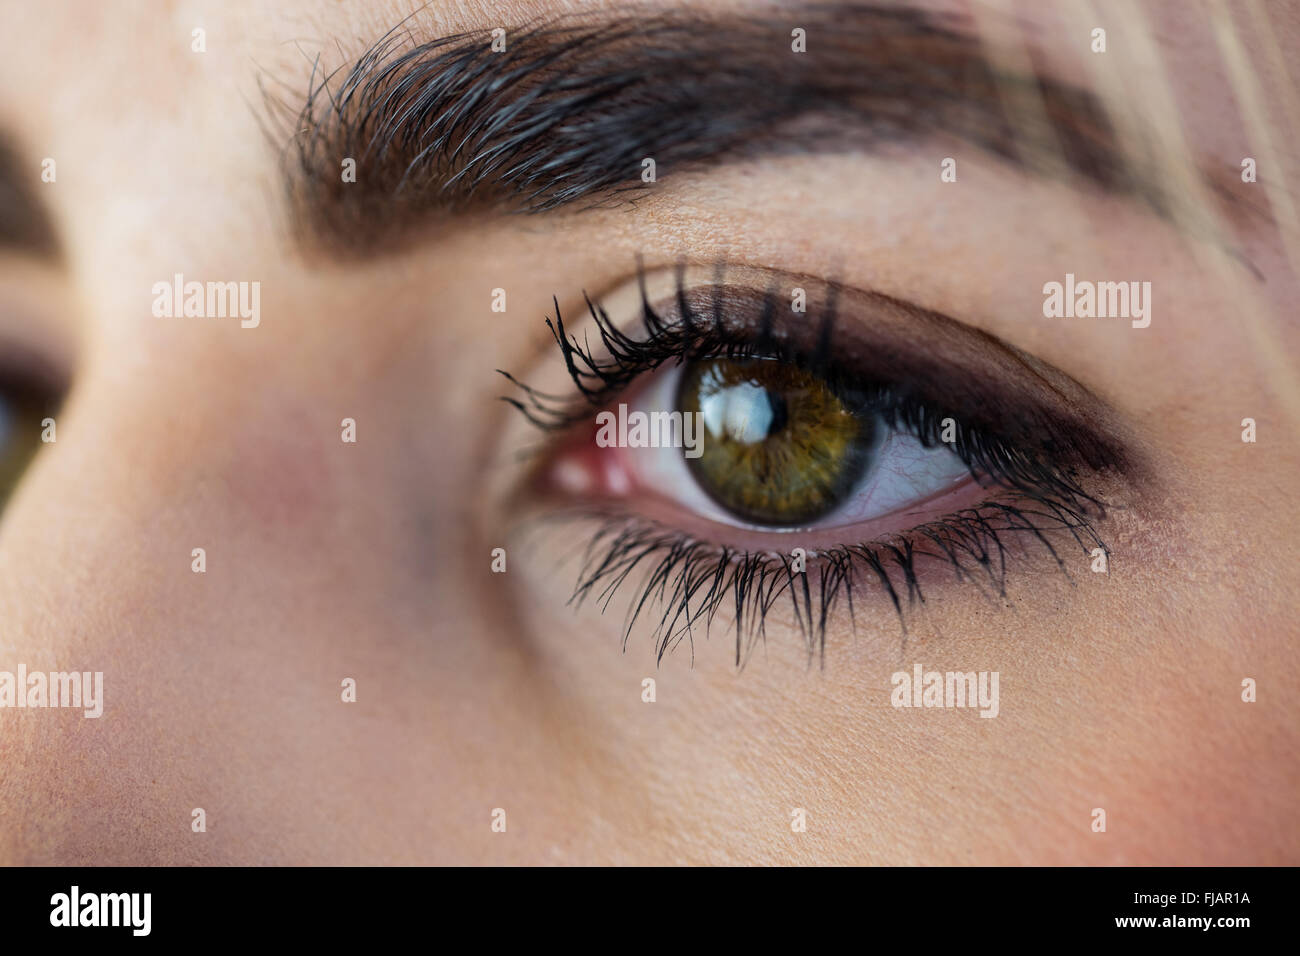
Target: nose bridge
{"x":187,"y":432}
{"x":85,"y":587}
{"x":151,"y":460}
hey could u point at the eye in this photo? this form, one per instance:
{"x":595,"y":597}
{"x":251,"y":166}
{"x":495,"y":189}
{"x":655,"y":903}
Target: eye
{"x":897,"y":441}
{"x":778,"y":447}
{"x":22,"y":412}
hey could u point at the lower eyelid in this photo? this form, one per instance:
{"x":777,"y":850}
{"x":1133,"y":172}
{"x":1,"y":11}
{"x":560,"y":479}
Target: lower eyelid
{"x":675,"y":581}
{"x":971,"y":535}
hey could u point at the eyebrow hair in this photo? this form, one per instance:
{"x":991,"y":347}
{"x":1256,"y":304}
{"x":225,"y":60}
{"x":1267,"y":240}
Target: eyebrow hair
{"x":25,"y":224}
{"x":567,"y":114}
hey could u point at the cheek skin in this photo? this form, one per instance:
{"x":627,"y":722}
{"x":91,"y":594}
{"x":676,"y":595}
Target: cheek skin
{"x":1116,"y":692}
{"x":285,"y":470}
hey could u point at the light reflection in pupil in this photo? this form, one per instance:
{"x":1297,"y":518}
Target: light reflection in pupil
{"x":746,"y":412}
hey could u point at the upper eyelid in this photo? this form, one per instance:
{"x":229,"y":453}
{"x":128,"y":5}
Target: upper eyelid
{"x":1006,"y":389}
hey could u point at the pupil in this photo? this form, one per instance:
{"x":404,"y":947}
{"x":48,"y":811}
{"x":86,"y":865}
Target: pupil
{"x":780,"y":413}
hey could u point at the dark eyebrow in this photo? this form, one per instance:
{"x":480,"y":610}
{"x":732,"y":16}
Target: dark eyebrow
{"x":567,"y":114}
{"x":25,"y":225}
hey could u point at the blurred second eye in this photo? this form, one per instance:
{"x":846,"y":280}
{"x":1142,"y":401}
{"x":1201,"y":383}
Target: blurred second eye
{"x":21,"y":418}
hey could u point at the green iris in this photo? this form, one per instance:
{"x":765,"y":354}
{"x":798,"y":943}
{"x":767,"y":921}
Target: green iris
{"x":780,"y":446}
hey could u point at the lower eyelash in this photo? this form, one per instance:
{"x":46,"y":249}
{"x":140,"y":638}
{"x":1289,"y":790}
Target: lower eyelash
{"x":689,"y":581}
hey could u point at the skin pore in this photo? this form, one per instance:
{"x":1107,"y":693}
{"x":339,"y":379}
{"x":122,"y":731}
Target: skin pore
{"x":476,"y":690}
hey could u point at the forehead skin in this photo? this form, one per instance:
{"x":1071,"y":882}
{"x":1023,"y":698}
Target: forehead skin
{"x":328,"y":561}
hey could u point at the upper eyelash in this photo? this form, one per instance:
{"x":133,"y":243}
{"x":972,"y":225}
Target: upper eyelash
{"x":693,"y":336}
{"x":694,"y":579}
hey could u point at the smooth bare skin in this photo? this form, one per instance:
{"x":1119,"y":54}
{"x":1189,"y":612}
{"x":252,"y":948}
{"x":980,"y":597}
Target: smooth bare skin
{"x":476,"y":691}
